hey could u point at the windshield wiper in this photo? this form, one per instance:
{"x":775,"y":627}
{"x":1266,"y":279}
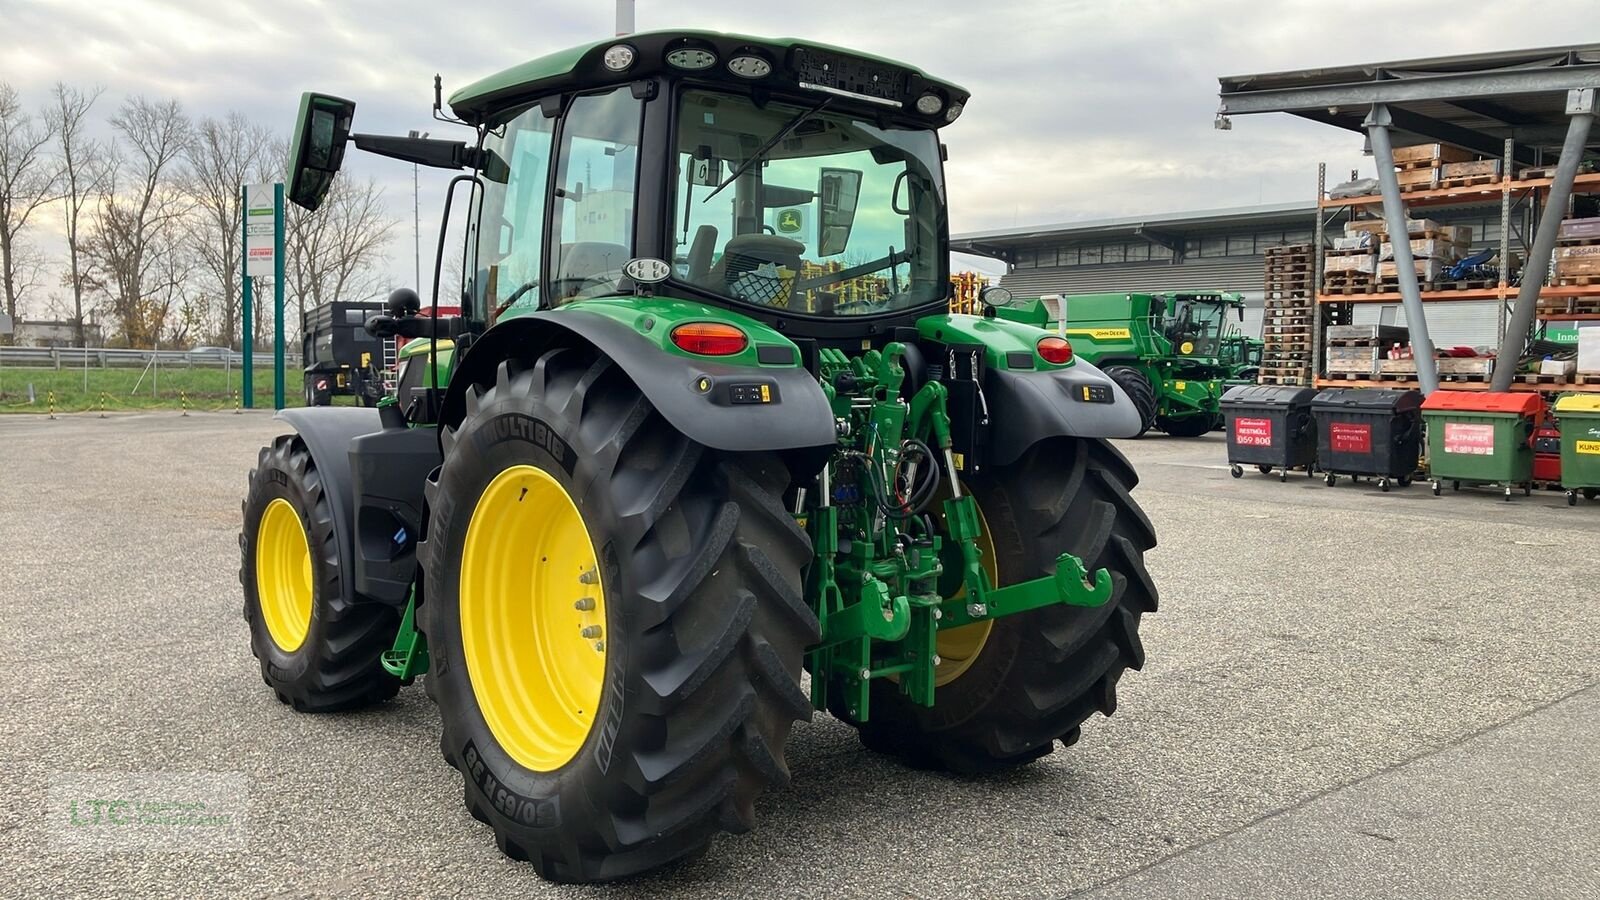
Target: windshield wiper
{"x":771,"y":142}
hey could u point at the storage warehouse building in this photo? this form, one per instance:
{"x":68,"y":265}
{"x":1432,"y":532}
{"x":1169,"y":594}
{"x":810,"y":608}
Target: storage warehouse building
{"x":1214,"y":249}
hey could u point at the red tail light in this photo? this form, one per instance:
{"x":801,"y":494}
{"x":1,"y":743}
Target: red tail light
{"x":709,"y":339}
{"x":1057,"y":350}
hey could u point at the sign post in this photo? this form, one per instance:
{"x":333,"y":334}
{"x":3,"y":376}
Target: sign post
{"x":277,"y":295}
{"x":263,"y":255}
{"x":247,"y":345}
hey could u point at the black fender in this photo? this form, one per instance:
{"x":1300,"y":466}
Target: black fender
{"x":328,"y":432}
{"x":373,"y":476}
{"x":1028,"y":407}
{"x":799,"y":417}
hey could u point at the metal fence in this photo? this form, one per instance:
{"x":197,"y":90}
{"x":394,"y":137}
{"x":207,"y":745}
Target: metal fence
{"x":103,"y":358}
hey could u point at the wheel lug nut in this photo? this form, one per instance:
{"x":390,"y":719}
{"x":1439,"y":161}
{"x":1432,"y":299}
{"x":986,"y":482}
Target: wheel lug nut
{"x":589,"y":577}
{"x":584,"y":604}
{"x":599,"y":646}
{"x":591,"y":631}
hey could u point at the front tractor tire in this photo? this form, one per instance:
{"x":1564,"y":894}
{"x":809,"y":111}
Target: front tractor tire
{"x":1035,"y":677}
{"x":1139,"y":390}
{"x":318,"y":651}
{"x":615,"y":622}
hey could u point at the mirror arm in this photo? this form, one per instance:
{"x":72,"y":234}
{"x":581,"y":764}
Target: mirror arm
{"x":430,"y":152}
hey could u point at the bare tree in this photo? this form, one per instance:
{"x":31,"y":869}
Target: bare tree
{"x":81,"y":176}
{"x":137,"y":222}
{"x":334,"y":253}
{"x":221,"y":156}
{"x":27,"y":182}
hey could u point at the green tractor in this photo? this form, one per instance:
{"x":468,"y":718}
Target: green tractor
{"x":704,"y":424}
{"x":1241,"y":354}
{"x":1164,"y":350}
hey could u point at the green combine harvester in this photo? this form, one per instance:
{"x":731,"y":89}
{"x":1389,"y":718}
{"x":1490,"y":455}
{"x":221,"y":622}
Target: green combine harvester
{"x":704,"y":424}
{"x":1165,"y":350}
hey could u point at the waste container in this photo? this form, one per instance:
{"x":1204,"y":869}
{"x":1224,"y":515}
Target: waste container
{"x":1369,"y":432}
{"x":1481,"y":437}
{"x":1579,"y":415}
{"x":1270,"y":427}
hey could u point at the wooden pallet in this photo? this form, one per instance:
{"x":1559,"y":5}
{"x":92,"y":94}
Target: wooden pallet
{"x":1392,"y":285}
{"x":1358,"y":342}
{"x":1572,"y":306}
{"x":1342,"y":283}
{"x":1577,"y":241}
{"x":1287,"y":296}
{"x":1460,"y":181}
{"x":1577,"y":280}
{"x":1301,"y":380}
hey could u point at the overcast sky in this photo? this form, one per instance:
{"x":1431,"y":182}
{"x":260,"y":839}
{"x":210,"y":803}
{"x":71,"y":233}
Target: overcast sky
{"x":1080,"y":110}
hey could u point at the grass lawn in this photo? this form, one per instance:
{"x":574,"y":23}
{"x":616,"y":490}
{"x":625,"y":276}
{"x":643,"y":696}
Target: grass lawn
{"x":205,"y":388}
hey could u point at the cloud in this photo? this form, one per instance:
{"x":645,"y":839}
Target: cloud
{"x":1079,"y":109}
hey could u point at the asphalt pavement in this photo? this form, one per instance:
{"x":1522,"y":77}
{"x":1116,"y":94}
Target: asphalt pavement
{"x":1348,"y":693}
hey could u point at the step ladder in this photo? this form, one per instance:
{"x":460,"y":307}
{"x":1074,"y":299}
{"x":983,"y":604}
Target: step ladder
{"x":391,"y":360}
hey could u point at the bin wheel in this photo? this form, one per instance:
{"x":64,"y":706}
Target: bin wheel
{"x":1405,"y":481}
{"x":1283,"y":475}
{"x":1572,"y":498}
{"x":1455,"y":485}
{"x":1527,"y":490}
{"x":1383,"y":485}
{"x":1590,"y":493}
{"x":1236,"y":470}
{"x":1330,"y":479}
{"x":1311,"y":470}
{"x":1437,"y":487}
{"x":1508,"y":493}
{"x":1264,"y":469}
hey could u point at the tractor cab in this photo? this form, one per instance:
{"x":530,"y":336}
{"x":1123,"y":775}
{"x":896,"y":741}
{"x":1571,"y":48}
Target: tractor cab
{"x":1199,"y":324}
{"x":798,"y":184}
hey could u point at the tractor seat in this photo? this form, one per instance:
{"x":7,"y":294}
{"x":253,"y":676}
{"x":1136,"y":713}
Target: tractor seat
{"x":746,"y":253}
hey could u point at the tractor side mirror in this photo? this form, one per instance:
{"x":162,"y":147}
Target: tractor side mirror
{"x":1241,"y":312}
{"x":838,"y":191}
{"x":317,"y":147}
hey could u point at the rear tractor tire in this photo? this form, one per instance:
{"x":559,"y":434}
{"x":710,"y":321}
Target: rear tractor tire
{"x":615,"y":622}
{"x":1139,"y":390}
{"x":318,"y":651}
{"x":1033,"y":678}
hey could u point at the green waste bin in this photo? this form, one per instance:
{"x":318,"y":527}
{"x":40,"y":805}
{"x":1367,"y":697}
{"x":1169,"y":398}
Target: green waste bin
{"x":1480,"y":437}
{"x":1579,"y":415}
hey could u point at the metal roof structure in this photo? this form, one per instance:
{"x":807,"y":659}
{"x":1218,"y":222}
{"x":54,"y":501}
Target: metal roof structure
{"x":1522,"y":104}
{"x":1160,"y":228}
{"x":1474,"y":101}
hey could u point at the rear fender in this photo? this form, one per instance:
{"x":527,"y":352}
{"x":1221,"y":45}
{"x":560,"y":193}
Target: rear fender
{"x":1028,"y":399}
{"x":713,"y":402}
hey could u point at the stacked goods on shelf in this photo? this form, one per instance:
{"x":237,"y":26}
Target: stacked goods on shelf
{"x":1383,"y":353}
{"x":1351,"y":264}
{"x":1354,"y":351}
{"x":1429,"y":166}
{"x":1435,"y":248}
{"x":1578,"y":252}
{"x":1286,"y":324}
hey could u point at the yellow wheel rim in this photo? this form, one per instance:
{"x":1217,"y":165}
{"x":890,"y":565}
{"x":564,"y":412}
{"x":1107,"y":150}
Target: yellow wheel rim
{"x":283,"y":575}
{"x":533,"y":615}
{"x":958,"y":648}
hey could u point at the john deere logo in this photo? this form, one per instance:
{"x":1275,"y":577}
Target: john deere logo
{"x":1186,"y":347}
{"x":789,"y":221}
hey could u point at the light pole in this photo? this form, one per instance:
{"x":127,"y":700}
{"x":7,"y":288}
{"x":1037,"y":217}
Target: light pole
{"x":416,"y":219}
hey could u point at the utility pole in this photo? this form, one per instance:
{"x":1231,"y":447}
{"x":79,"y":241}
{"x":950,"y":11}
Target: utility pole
{"x":624,"y":17}
{"x":416,"y":218}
